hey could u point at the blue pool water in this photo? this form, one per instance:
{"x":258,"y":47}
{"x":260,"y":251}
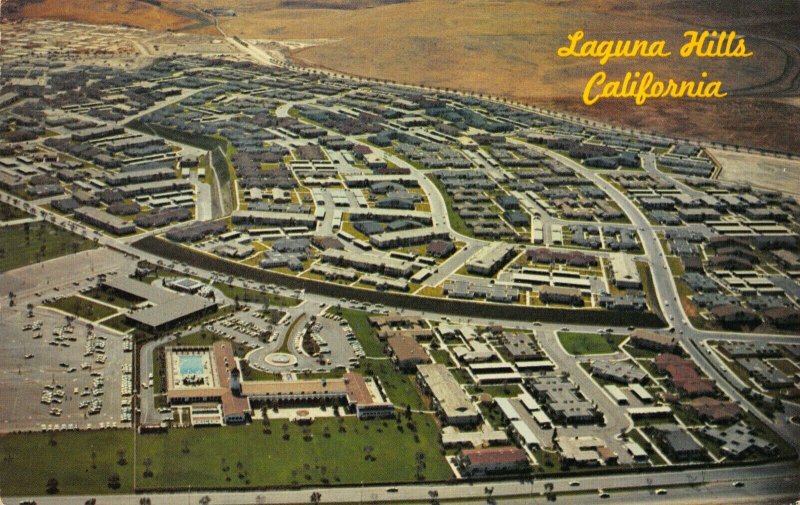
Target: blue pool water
{"x":191,"y":365}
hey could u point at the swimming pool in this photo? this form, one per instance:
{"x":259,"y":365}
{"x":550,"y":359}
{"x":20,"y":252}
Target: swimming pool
{"x":191,"y":364}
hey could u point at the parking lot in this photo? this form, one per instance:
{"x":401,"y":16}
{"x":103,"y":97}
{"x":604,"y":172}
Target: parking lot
{"x":46,"y":374}
{"x":336,"y":350}
{"x":48,"y":368}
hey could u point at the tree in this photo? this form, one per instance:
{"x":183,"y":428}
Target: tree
{"x":548,"y":488}
{"x":113,"y":481}
{"x":368,"y":449}
{"x":316,"y":497}
{"x":52,"y":485}
{"x":147,"y":463}
{"x":121,"y":461}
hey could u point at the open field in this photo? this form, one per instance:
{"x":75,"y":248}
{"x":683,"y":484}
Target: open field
{"x":765,"y":171}
{"x":28,"y":460}
{"x":167,"y":16}
{"x":29,"y":243}
{"x":590,"y":343}
{"x":226,"y":457}
{"x":246,"y":456}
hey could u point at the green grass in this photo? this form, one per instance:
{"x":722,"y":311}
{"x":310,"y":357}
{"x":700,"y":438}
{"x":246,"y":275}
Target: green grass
{"x":29,"y":243}
{"x":456,"y":222}
{"x":253,"y":374}
{"x":675,"y":265}
{"x":637,"y":352}
{"x":648,"y":286}
{"x":9,"y":212}
{"x":549,"y":461}
{"x":364,"y":332}
{"x":401,"y":388}
{"x":246,"y":456}
{"x":784,"y":365}
{"x":28,"y":460}
{"x":500,"y":391}
{"x":441,"y":356}
{"x":82,"y":307}
{"x":491,"y":413}
{"x":251,"y":296}
{"x":637,"y":437}
{"x":118,"y":323}
{"x":287,"y":340}
{"x":590,"y":343}
{"x":109,"y":297}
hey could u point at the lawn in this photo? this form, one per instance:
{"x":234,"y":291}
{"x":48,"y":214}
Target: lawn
{"x":637,"y":437}
{"x":247,"y":456}
{"x":441,"y":356}
{"x":28,"y":460}
{"x":364,"y":332}
{"x":456,"y":222}
{"x":249,"y":295}
{"x":498,"y":391}
{"x":590,"y":343}
{"x":118,"y":323}
{"x":107,"y":296}
{"x":29,"y":243}
{"x":9,"y":212}
{"x":82,"y":307}
{"x":401,"y":388}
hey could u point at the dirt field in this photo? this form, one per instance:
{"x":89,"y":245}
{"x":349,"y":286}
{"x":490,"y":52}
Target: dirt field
{"x":135,"y":13}
{"x":765,"y":171}
{"x":509,"y":49}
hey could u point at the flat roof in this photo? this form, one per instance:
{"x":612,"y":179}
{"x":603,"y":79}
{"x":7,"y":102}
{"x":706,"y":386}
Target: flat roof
{"x":447,"y":391}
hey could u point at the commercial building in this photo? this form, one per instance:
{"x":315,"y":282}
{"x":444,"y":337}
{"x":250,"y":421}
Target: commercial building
{"x":624,"y":272}
{"x":492,"y":460}
{"x":678,"y":444}
{"x":452,"y":405}
{"x":406,"y":353}
{"x":739,"y":440}
{"x":521,"y":347}
{"x":168,"y":309}
{"x":490,"y":259}
{"x":561,"y":400}
{"x":623,"y":372}
{"x":585,"y":451}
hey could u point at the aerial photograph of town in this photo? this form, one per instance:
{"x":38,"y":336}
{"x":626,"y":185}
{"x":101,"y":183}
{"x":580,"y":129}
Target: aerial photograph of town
{"x":405,"y":252}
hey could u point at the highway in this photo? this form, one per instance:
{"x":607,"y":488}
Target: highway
{"x":774,"y":482}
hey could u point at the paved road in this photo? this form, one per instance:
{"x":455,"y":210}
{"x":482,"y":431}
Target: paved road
{"x":772,"y":479}
{"x":672,"y":309}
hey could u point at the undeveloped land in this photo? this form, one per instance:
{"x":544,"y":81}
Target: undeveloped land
{"x":766,"y":171}
{"x":508,"y":48}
